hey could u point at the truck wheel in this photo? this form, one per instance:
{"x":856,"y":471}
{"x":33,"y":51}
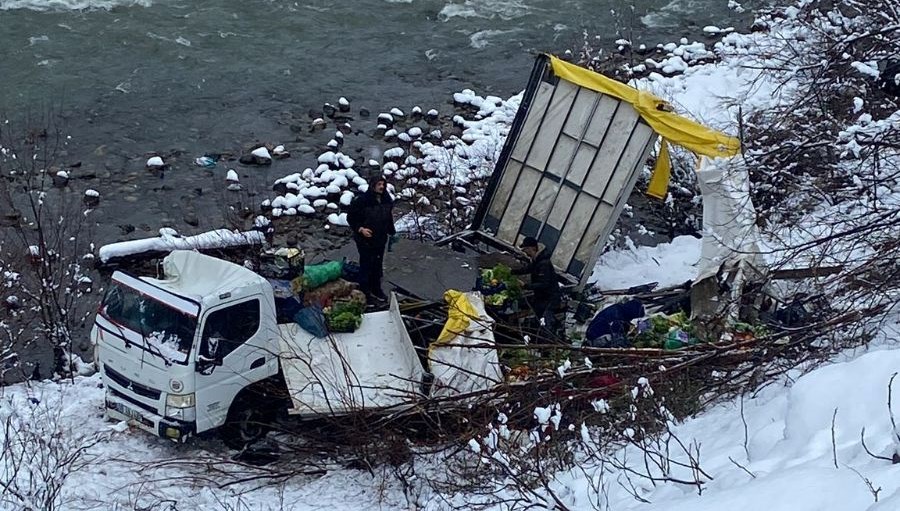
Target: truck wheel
{"x":245,"y":425}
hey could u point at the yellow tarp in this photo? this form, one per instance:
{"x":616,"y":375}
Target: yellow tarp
{"x":458,"y":317}
{"x":656,"y":112}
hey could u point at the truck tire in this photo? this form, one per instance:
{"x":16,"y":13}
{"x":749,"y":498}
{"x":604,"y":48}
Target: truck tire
{"x":246,"y":424}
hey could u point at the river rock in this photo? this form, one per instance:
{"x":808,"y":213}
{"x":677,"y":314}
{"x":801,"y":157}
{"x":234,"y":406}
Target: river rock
{"x":395,"y":155}
{"x":258,"y":156}
{"x":191,"y":219}
{"x":329,"y":110}
{"x":280,"y":153}
{"x":364,"y":112}
{"x":386,"y":119}
{"x":155,"y":163}
{"x":343,"y":104}
{"x":91,"y":198}
{"x":61,"y":179}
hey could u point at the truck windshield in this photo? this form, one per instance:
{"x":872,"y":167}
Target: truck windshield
{"x":167,"y":332}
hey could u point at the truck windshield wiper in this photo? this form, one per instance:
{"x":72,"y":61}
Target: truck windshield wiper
{"x":151,"y":348}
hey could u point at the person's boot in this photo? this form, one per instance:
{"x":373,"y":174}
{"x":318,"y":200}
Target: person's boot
{"x":376,"y":290}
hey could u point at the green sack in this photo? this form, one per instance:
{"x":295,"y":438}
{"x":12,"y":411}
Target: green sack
{"x":317,"y":274}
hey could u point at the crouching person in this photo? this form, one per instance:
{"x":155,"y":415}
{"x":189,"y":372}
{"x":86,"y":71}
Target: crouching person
{"x":546,"y":297}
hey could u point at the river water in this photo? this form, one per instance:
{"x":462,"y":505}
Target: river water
{"x":184,"y":77}
{"x":148,"y":75}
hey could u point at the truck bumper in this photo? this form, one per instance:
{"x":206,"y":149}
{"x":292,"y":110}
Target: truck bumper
{"x":122,"y":410}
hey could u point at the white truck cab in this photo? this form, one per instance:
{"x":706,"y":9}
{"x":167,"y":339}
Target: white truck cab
{"x":200,"y":348}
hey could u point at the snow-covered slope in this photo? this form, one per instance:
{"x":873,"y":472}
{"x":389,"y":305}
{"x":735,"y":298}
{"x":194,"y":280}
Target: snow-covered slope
{"x":786,"y":449}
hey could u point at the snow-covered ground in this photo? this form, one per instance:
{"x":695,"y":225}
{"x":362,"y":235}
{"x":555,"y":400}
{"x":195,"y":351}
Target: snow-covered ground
{"x":793,"y":446}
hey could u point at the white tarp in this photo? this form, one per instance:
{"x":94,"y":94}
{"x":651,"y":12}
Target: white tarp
{"x":468,"y":362}
{"x":729,"y":218}
{"x":203,"y":278}
{"x":374,"y":367}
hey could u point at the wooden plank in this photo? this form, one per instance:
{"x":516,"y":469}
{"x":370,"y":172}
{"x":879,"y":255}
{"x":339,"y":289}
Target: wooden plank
{"x":511,"y":221}
{"x":533,"y":121}
{"x":562,"y":155}
{"x":545,"y":141}
{"x":582,"y":210}
{"x":505,"y":189}
{"x":581,"y":113}
{"x":560,"y":212}
{"x":601,"y":120}
{"x":583,"y":158}
{"x":613,"y":145}
{"x":543,"y":199}
{"x":630,"y":159}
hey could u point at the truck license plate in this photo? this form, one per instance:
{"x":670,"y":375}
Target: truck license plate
{"x":128,"y":412}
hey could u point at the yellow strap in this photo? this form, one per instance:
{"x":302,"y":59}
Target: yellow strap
{"x":656,"y":112}
{"x":659,"y":180}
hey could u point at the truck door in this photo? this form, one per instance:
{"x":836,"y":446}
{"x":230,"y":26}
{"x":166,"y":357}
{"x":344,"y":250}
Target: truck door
{"x":232,"y":355}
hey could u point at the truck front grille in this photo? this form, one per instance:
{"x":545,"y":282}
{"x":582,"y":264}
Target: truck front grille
{"x":137,"y":388}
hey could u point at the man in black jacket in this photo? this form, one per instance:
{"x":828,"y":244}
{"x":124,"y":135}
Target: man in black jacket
{"x":372,"y":220}
{"x":544,"y":283}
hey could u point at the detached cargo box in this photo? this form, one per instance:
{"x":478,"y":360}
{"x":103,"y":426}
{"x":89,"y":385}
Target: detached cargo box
{"x":568,"y":165}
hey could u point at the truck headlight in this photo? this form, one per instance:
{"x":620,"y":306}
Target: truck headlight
{"x":182,"y":414}
{"x":180,"y":400}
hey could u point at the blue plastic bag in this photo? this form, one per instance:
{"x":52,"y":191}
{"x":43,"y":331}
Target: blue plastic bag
{"x":312,"y":319}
